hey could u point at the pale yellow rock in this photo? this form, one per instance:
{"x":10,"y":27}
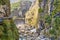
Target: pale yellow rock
{"x":32,"y":14}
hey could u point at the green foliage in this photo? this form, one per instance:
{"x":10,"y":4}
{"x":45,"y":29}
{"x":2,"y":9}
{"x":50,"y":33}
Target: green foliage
{"x":56,"y":25}
{"x":3,"y":2}
{"x":8,"y":30}
{"x":40,"y":10}
{"x":40,"y":0}
{"x":51,"y":21}
{"x":48,"y":20}
{"x":14,"y":5}
{"x":52,"y":32}
{"x":56,"y":28}
{"x":53,"y":13}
